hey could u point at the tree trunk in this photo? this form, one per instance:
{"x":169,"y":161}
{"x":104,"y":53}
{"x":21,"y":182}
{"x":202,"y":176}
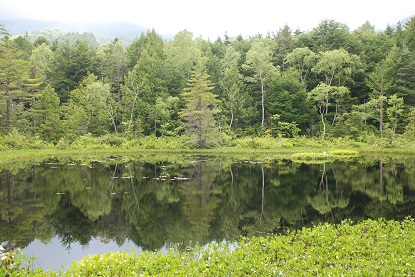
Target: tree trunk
{"x":324,"y":126}
{"x":155,"y":127}
{"x":199,"y":133}
{"x":111,"y":114}
{"x":335,"y":115}
{"x":232,"y":110}
{"x":381,"y":117}
{"x":262,"y":102}
{"x":8,"y":108}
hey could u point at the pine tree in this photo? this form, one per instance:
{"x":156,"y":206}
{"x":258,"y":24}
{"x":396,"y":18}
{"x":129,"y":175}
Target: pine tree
{"x":15,"y":81}
{"x":200,"y":108}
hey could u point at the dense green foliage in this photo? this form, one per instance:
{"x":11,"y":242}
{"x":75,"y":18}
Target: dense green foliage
{"x":328,"y":82}
{"x":369,"y":248}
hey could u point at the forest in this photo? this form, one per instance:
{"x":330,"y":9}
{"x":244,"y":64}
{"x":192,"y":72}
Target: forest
{"x":328,"y":82}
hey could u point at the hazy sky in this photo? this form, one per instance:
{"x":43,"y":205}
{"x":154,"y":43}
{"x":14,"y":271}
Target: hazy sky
{"x":211,"y":18}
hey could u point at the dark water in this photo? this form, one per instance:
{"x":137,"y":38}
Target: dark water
{"x":61,"y":210}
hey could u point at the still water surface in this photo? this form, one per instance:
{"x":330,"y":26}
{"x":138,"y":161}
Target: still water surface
{"x":62,"y":210}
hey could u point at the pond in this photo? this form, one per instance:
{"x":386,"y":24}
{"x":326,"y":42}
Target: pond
{"x":59,"y":210}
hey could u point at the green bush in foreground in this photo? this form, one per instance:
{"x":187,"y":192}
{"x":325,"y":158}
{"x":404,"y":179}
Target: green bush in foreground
{"x":369,"y":248}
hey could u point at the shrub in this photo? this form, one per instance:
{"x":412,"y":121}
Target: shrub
{"x":112,"y":139}
{"x":86,"y":141}
{"x":265,"y":142}
{"x":63,"y":143}
{"x":153,"y":142}
{"x":16,"y":140}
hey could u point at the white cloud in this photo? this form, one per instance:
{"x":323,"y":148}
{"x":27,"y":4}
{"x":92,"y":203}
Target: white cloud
{"x":212,"y":18}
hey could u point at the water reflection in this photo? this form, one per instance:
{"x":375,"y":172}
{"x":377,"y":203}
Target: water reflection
{"x":155,"y":203}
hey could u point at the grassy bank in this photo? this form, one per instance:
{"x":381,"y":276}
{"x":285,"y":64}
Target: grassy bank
{"x":298,"y":153}
{"x":369,"y":248}
{"x":12,"y":147}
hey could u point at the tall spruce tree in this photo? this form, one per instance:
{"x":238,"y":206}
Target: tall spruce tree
{"x":201,"y":105}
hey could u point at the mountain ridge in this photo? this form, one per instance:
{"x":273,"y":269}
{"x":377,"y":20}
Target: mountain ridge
{"x":104,"y":32}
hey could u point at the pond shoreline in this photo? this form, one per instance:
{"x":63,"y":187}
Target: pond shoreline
{"x":316,"y":152}
{"x":19,"y":153}
{"x":371,"y":247}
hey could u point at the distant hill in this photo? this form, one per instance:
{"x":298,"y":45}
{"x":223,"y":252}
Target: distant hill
{"x":104,"y":33}
{"x":404,"y":21}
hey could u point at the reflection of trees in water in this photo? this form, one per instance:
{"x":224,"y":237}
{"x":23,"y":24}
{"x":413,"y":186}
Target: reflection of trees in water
{"x":381,"y":181}
{"x":288,"y":186}
{"x":200,"y":197}
{"x":71,"y":225}
{"x":331,"y":190}
{"x":21,"y":212}
{"x":151,"y":203}
{"x":162,"y":203}
{"x":90,"y":193}
{"x":409,"y":173}
{"x":394,"y":187}
{"x":238,"y":184}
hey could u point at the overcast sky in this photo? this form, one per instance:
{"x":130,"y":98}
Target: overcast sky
{"x":211,"y":18}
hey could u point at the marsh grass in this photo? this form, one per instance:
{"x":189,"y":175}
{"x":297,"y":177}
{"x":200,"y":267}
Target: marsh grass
{"x":324,"y":156}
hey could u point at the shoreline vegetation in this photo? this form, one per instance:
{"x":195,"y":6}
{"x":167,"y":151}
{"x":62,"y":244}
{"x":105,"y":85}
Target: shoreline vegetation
{"x":368,"y":248}
{"x":298,"y":149}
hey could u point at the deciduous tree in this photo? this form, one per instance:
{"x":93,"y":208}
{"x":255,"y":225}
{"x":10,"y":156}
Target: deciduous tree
{"x":258,"y":59}
{"x":86,"y":111}
{"x":322,"y":95}
{"x":143,"y":86}
{"x":394,"y":111}
{"x":335,"y":65}
{"x":232,"y":84}
{"x":40,"y":61}
{"x":47,"y":106}
{"x":181,"y":55}
{"x":302,"y":60}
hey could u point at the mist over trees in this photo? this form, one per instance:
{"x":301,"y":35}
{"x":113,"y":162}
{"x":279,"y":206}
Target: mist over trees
{"x":327,"y":82}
